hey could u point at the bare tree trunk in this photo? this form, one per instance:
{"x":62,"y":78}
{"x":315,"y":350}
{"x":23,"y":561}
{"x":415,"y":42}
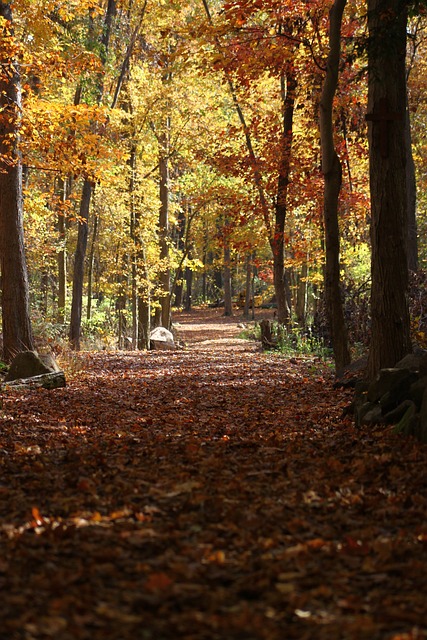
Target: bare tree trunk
{"x":79,"y":262}
{"x":390,"y":337}
{"x":301,"y":298}
{"x":332,"y":172}
{"x":90,"y":266}
{"x":228,"y":304}
{"x":188,"y":289}
{"x":411,"y":194}
{"x":17,"y":331}
{"x":80,"y":253}
{"x":164,"y":277}
{"x":248,"y":286}
{"x":277,"y":240}
{"x":62,"y":255}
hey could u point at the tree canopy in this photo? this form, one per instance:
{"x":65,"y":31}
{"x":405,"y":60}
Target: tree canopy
{"x":172,"y":154}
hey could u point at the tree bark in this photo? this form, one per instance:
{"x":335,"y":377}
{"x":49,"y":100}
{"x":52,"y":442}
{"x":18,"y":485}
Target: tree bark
{"x":332,"y":172}
{"x":90,"y":266}
{"x":17,"y":331}
{"x":79,"y":262}
{"x":188,"y":301}
{"x":390,"y":339}
{"x":228,"y":304}
{"x":411,"y":195}
{"x":277,"y":239}
{"x":80,"y":253}
{"x":62,"y":254}
{"x":164,"y":276}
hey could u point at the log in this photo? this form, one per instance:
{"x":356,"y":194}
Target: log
{"x":52,"y":380}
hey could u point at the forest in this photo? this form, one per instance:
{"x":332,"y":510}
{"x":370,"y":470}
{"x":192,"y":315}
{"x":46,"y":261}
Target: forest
{"x":161,"y":155}
{"x":250,"y":175}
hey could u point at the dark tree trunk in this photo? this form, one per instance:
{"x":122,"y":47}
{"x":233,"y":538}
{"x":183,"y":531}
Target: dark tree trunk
{"x":248,"y":286}
{"x":62,"y":254}
{"x":79,"y":264}
{"x":390,"y":339}
{"x":80,"y":253}
{"x":411,"y":195}
{"x":228,"y":304}
{"x":332,"y":172}
{"x":301,"y":297}
{"x":188,"y":289}
{"x":277,"y":240}
{"x":164,"y":277}
{"x":90,"y":266}
{"x":17,"y":332}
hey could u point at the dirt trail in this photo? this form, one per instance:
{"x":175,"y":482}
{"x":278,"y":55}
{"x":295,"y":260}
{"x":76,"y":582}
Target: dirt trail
{"x":213,"y":493}
{"x":210,"y":330}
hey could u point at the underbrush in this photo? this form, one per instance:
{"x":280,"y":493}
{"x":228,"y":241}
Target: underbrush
{"x":292,"y":341}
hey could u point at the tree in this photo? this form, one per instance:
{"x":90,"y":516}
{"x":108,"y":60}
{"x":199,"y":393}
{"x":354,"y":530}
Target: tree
{"x":332,"y":171}
{"x":17,"y":331}
{"x":390,"y":339}
{"x":88,"y":186}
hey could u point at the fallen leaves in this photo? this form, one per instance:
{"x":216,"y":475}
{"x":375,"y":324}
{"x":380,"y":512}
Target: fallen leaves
{"x":206,"y":495}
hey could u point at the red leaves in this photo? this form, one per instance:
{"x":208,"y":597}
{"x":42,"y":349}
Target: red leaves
{"x":213,"y":492}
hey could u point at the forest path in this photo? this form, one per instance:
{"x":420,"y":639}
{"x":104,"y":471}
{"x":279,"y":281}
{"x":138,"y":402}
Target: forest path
{"x":210,"y":330}
{"x":206,"y":494}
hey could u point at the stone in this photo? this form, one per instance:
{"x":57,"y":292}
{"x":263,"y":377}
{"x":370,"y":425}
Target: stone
{"x":416,"y":392}
{"x":372,"y":416}
{"x":162,"y":339}
{"x":394,"y":381}
{"x":26,"y":364}
{"x":411,"y":361}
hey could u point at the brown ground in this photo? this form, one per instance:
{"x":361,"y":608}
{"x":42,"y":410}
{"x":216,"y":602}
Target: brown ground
{"x":213,"y":493}
{"x":209,"y":329}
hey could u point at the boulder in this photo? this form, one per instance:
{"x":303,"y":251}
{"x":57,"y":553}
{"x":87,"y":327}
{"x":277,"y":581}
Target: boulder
{"x":28,"y":364}
{"x":397,"y":396}
{"x":162,"y":339}
{"x":412,"y":361}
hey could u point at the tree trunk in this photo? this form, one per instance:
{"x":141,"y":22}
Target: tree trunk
{"x":277,"y":240}
{"x":390,"y":338}
{"x":17,"y":331}
{"x":90,"y":266}
{"x":62,"y":255}
{"x":188,"y":288}
{"x":228,"y":304}
{"x":301,"y":297}
{"x":80,"y":254}
{"x":79,"y":262}
{"x":411,"y":195}
{"x":332,"y":172}
{"x":248,"y":286}
{"x":164,"y":229}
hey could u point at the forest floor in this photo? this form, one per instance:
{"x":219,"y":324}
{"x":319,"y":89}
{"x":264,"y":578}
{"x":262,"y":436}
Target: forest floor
{"x":212,"y":493}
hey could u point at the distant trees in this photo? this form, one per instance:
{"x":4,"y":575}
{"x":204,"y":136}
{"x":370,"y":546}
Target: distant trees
{"x":183,"y":139}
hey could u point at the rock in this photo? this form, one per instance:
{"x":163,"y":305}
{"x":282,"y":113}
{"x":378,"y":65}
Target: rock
{"x":397,"y":414}
{"x":422,"y":429}
{"x":411,"y":361}
{"x":371,"y":414}
{"x":162,"y":339}
{"x":49,"y":361}
{"x":417,"y":391}
{"x":397,"y":396}
{"x":27,"y":364}
{"x":51,"y":380}
{"x":395,"y":382}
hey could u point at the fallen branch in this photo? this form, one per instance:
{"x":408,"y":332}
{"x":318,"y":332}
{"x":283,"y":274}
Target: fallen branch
{"x":46,"y":380}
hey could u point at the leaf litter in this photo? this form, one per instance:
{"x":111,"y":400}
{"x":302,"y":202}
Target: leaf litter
{"x":210,"y":493}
